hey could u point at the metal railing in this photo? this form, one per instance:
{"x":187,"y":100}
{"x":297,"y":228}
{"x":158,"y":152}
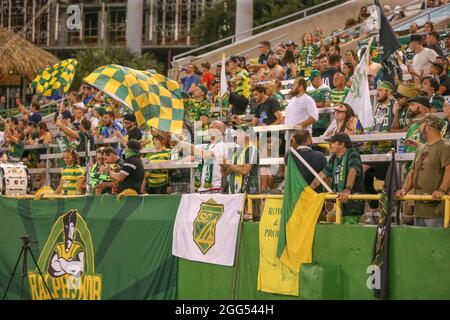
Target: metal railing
{"x":338,"y":207}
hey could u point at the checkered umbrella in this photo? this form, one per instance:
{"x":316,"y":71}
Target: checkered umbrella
{"x":154,"y":99}
{"x":51,"y":79}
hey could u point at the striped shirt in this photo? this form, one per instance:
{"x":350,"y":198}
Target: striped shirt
{"x":69,"y":178}
{"x":243,"y":85}
{"x":339,"y":95}
{"x":158,"y":178}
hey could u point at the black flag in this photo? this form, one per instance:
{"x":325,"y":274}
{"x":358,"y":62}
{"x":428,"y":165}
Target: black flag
{"x":389,"y":44}
{"x":380,"y":258}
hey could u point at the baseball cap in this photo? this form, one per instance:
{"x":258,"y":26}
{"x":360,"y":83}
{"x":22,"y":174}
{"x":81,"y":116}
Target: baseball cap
{"x":101,"y":110}
{"x":433,"y":121}
{"x":134,"y":145}
{"x":385,"y":85}
{"x":66,"y":115}
{"x":314,"y":73}
{"x":341,"y":137}
{"x":424,"y":101}
{"x":408,"y":90}
{"x":129,"y":117}
{"x":291,"y":43}
{"x":234,"y":59}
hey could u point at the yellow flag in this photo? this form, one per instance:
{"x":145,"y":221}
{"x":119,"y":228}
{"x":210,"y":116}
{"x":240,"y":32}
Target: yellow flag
{"x":273,"y":276}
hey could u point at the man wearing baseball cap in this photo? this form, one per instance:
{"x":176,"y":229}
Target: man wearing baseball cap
{"x":321,"y":93}
{"x":345,"y":170}
{"x":405,"y":91}
{"x":430,"y":173}
{"x":423,"y":57}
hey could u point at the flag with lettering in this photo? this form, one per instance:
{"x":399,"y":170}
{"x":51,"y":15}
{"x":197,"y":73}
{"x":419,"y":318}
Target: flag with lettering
{"x":206,"y":227}
{"x":273,"y":276}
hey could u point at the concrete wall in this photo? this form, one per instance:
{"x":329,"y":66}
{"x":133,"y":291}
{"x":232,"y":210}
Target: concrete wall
{"x":329,"y":20}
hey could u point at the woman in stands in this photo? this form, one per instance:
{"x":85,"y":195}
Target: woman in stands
{"x":352,"y":57}
{"x":45,"y":137}
{"x":348,"y":69}
{"x":290,"y":69}
{"x":73,"y":179}
{"x":345,"y":121}
{"x":307,"y":53}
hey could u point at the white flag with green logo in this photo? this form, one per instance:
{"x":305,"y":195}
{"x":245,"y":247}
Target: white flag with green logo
{"x":359,"y":96}
{"x":206,"y":227}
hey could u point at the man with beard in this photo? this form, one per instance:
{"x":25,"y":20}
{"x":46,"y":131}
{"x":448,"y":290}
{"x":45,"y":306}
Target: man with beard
{"x":383,"y":117}
{"x":405,"y":92}
{"x":430,"y":173}
{"x":276,"y":71}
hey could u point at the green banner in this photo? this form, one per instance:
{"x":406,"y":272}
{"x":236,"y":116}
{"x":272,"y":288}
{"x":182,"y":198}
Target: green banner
{"x":91,"y":247}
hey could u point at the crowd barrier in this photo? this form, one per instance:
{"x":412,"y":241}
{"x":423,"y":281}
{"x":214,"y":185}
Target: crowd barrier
{"x":329,"y":196}
{"x":410,"y":197}
{"x":266,"y":158}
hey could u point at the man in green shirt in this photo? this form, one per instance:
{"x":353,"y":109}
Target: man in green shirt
{"x":340,"y":91}
{"x":198,"y":106}
{"x":242,"y":171}
{"x":321,"y":93}
{"x":430,"y":173}
{"x":405,"y":91}
{"x":345,"y":170}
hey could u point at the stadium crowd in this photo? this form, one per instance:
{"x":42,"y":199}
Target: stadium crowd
{"x":321,"y":78}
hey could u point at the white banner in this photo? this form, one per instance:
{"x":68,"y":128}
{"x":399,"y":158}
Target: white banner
{"x":359,"y":96}
{"x":206,"y":227}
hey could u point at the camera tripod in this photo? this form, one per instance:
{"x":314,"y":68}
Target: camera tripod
{"x":26,"y":247}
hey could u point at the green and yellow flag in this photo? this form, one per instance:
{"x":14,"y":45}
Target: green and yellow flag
{"x":154,"y":99}
{"x":300,"y":211}
{"x":51,"y":79}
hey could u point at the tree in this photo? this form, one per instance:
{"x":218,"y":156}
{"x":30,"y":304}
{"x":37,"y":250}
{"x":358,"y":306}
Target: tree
{"x":91,"y":58}
{"x":218,"y":21}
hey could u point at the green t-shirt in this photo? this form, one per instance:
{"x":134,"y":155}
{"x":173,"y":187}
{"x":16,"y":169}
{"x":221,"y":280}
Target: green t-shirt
{"x":249,"y":183}
{"x":280,"y":99}
{"x":403,"y":119}
{"x":339,"y":95}
{"x":437,"y":102}
{"x":413,"y":134}
{"x":321,"y":95}
{"x":16,"y":151}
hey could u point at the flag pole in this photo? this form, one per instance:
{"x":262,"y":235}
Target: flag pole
{"x":222,"y":84}
{"x":299,"y":157}
{"x":238,"y":249}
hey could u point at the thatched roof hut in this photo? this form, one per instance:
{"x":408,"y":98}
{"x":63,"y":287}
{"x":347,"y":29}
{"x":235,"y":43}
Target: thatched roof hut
{"x":22,"y":57}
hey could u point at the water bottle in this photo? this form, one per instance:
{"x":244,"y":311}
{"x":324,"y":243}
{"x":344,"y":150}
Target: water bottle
{"x":247,"y":110}
{"x":401,"y":146}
